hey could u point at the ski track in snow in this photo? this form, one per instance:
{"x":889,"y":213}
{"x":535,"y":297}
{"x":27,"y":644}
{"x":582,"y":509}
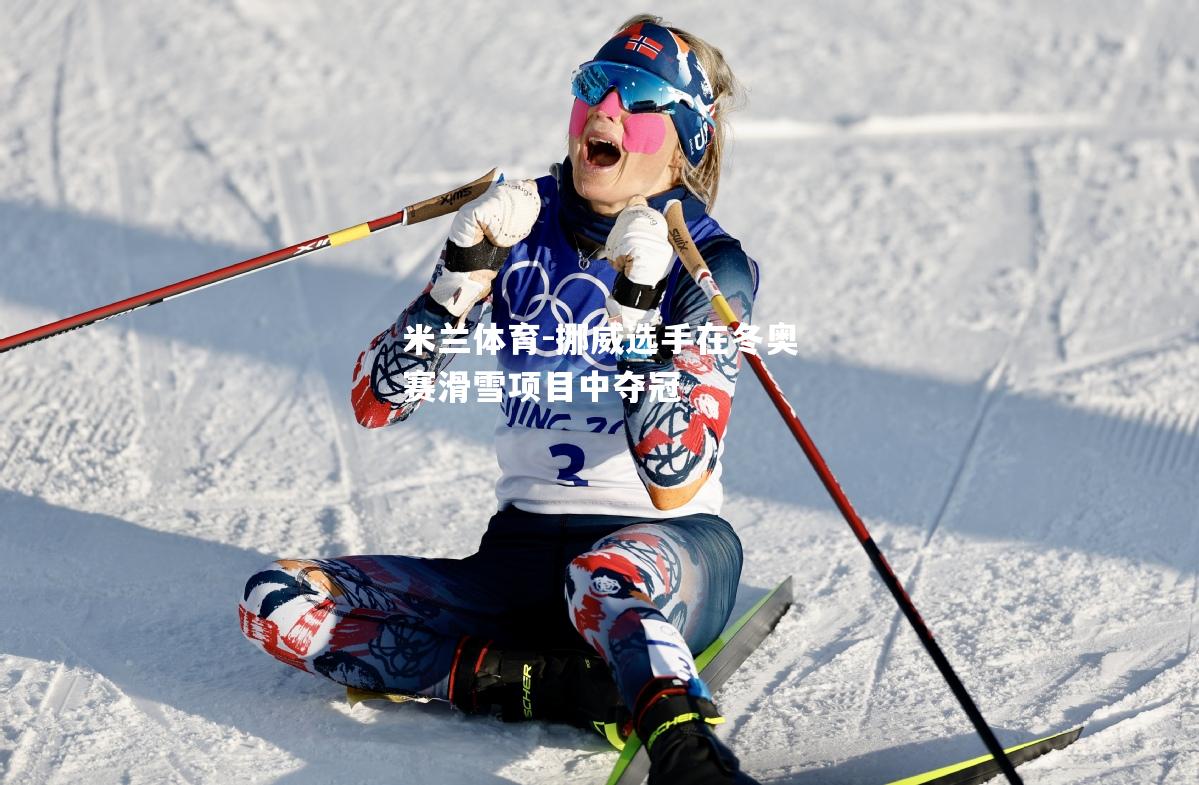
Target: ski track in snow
{"x":983,"y":218}
{"x":56,"y":109}
{"x":289,"y":194}
{"x":1045,"y":252}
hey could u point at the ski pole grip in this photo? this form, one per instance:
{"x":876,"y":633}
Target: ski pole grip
{"x":680,"y":238}
{"x":451,"y":201}
{"x":693,"y":260}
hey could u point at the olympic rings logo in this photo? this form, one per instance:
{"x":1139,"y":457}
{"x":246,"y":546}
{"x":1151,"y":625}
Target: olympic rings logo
{"x":560,"y":308}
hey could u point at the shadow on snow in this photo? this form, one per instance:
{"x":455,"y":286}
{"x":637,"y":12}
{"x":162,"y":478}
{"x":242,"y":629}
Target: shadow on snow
{"x":902,"y":445}
{"x":905,"y":447}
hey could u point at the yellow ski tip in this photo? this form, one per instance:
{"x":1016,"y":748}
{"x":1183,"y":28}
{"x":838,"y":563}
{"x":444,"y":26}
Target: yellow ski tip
{"x":1021,"y":753}
{"x":355,"y":696}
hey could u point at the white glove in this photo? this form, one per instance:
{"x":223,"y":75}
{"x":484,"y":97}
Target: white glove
{"x":639,"y":250}
{"x":504,"y":215}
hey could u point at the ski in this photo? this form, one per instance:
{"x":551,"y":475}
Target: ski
{"x":716,"y":663}
{"x":980,"y":769}
{"x":355,"y":695}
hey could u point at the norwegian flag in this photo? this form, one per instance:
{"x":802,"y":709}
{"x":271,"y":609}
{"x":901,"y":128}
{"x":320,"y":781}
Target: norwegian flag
{"x":644,"y":45}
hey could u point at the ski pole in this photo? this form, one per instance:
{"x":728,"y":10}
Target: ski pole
{"x":413,"y":213}
{"x":680,"y":238}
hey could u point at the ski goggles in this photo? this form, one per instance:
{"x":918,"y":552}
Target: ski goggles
{"x":642,"y":91}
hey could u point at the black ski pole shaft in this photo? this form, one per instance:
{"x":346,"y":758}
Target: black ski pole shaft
{"x":413,"y":213}
{"x":680,"y":238}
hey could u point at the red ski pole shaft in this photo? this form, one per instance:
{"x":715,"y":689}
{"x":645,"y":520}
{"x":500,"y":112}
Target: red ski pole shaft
{"x":680,"y":238}
{"x":413,"y":213}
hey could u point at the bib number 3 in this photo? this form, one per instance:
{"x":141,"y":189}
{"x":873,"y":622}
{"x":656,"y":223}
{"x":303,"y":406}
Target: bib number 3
{"x":568,"y":474}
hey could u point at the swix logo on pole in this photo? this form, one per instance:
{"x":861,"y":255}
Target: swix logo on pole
{"x":645,"y":45}
{"x":454,"y":196}
{"x":320,"y":243}
{"x":680,"y":239}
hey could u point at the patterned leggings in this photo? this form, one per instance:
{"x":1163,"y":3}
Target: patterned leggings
{"x":645,"y":594}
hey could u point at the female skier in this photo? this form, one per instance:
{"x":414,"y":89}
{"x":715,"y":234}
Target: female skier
{"x":608,"y":538}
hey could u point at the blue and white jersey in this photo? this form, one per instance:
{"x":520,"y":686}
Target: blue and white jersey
{"x":572,"y":456}
{"x":585,"y":451}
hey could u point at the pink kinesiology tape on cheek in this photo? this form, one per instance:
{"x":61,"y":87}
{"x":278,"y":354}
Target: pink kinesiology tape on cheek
{"x":644,"y":133}
{"x":578,"y":117}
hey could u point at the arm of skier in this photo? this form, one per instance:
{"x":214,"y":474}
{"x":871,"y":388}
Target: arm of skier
{"x":695,"y":423}
{"x":382,"y":391}
{"x":397,"y":372}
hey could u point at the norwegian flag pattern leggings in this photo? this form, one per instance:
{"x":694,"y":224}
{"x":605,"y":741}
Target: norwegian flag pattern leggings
{"x":644,"y":593}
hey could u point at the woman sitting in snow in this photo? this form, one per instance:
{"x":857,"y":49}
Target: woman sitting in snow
{"x":607,"y":564}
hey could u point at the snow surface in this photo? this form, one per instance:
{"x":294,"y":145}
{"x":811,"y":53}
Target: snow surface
{"x":983,"y":217}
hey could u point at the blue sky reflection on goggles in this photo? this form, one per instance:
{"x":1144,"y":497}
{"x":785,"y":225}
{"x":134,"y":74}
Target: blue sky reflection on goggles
{"x":642,"y":91}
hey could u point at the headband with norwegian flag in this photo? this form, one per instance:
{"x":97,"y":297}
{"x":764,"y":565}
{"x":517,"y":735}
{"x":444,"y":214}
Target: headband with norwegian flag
{"x":660,"y":51}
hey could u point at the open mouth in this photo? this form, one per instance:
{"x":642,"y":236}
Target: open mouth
{"x":601,"y":152}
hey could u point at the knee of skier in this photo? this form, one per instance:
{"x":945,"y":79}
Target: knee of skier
{"x":286,"y":579}
{"x":285,"y":609}
{"x":599,"y":584}
{"x":603,"y":574}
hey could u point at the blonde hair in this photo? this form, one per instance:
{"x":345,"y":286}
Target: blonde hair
{"x":703,"y":179}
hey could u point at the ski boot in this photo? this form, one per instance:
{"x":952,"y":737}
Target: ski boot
{"x":676,"y":727}
{"x":571,"y":687}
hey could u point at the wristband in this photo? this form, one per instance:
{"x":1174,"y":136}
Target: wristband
{"x":637,"y":295}
{"x":480,"y":256}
